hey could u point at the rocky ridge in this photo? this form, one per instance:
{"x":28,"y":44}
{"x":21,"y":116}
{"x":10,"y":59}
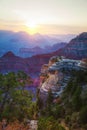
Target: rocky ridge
{"x":76,"y":48}
{"x":56,"y":74}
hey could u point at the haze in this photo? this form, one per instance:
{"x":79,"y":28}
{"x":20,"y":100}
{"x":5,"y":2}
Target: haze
{"x":44,"y":16}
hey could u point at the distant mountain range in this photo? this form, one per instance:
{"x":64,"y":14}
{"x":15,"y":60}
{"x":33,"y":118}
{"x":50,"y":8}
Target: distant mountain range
{"x":75,"y":49}
{"x":28,"y":52}
{"x":31,"y":44}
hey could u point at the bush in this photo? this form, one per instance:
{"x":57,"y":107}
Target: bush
{"x":83,"y":115}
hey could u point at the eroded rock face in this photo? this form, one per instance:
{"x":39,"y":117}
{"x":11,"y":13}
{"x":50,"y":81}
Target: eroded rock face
{"x":76,"y":48}
{"x":50,"y":83}
{"x":56,"y":74}
{"x":50,"y":79}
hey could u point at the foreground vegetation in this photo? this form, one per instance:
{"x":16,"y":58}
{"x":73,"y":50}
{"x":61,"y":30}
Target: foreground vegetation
{"x":66,"y":112}
{"x":69,"y":110}
{"x":15,"y":101}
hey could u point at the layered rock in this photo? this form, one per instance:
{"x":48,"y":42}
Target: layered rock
{"x":76,"y":48}
{"x":53,"y":77}
{"x":50,"y":79}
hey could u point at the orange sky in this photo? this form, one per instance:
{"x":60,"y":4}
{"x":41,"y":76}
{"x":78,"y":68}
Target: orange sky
{"x":44,"y":16}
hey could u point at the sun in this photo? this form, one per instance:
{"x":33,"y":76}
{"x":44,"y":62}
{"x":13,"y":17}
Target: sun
{"x":31,"y":27}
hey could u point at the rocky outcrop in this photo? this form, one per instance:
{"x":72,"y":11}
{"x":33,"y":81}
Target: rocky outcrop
{"x":50,"y":79}
{"x":76,"y":48}
{"x":57,"y":73}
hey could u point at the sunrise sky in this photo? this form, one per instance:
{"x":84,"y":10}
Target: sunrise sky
{"x":44,"y":16}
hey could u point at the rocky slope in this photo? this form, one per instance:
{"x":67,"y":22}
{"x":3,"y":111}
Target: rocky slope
{"x":52,"y":78}
{"x":76,"y":48}
{"x":56,"y":74}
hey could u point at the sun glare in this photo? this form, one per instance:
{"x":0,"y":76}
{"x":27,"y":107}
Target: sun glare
{"x":32,"y":27}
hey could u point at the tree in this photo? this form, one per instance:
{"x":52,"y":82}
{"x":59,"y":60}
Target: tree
{"x":76,"y":99}
{"x":49,"y":123}
{"x":49,"y":98}
{"x":58,"y":111}
{"x":14,"y":99}
{"x":83,"y":115}
{"x":49,"y":102}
